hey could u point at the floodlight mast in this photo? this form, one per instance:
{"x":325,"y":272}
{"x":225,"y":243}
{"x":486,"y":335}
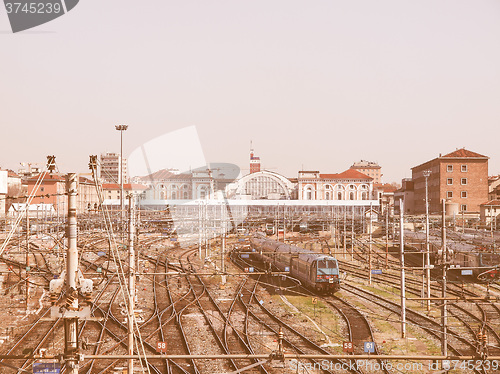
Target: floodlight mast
{"x":121,"y":128}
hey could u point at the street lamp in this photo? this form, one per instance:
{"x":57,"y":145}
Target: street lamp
{"x":427,"y":173}
{"x":121,"y":128}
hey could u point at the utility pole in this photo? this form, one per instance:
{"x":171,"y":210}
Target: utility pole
{"x":200,"y":230}
{"x":352,"y":234}
{"x":370,"y":249}
{"x":71,"y":323}
{"x":402,"y":261}
{"x":427,"y":173}
{"x":284,"y":223}
{"x":387,"y":236}
{"x":444,"y":311}
{"x":345,"y":234}
{"x":223,"y":224}
{"x":131,"y":281}
{"x":27,"y":256}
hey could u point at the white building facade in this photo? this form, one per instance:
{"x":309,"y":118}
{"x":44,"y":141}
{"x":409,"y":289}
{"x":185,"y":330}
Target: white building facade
{"x":348,"y":185}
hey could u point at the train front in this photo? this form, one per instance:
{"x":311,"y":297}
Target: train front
{"x":327,"y":275}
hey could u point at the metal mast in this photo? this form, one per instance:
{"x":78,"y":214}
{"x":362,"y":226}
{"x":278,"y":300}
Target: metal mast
{"x":402,"y":260}
{"x":131,"y":281}
{"x":444,"y":311}
{"x":427,"y":173}
{"x":121,"y":128}
{"x":71,"y":324}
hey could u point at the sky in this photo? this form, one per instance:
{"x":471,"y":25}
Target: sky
{"x":316,"y":85}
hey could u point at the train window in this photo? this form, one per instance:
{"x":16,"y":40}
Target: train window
{"x":327,"y":264}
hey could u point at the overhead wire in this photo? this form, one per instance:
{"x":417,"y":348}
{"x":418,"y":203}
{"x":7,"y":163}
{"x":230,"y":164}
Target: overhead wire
{"x":121,"y":273}
{"x":20,"y":217}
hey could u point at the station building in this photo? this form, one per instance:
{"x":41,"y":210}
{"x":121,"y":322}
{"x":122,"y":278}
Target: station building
{"x":348,"y":185}
{"x":201,"y":183}
{"x":263,"y":185}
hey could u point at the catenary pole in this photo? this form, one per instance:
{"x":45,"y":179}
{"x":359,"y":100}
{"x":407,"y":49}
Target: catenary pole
{"x":131,"y":282}
{"x":427,"y":248}
{"x":444,"y":311}
{"x":402,"y":261}
{"x":71,"y":324}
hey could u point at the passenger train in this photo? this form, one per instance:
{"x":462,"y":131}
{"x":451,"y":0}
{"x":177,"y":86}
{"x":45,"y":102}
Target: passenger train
{"x":316,"y":271}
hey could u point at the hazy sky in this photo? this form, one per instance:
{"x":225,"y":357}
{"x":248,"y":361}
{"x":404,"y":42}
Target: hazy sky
{"x":315,"y":84}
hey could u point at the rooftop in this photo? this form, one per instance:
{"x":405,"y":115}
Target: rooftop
{"x":458,"y":153}
{"x":463,"y":153}
{"x":366,"y":164}
{"x":491,"y":202}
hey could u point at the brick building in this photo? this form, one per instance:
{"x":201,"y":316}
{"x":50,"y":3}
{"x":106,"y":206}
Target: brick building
{"x":254,"y":162}
{"x":460,"y":177}
{"x":52,"y":190}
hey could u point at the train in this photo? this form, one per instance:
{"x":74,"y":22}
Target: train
{"x":468,"y":260}
{"x":318,"y":272}
{"x":484,"y":265}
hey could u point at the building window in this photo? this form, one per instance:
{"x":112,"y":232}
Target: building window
{"x":463,"y":208}
{"x":351,"y":196}
{"x":463,"y":168}
{"x":464,"y":181}
{"x":449,"y":194}
{"x":463,"y":194}
{"x":449,"y":168}
{"x":449,"y":181}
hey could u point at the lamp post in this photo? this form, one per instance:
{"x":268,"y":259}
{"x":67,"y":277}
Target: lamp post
{"x":121,"y":128}
{"x":427,"y":173}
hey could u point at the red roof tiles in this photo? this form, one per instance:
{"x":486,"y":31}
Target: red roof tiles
{"x":491,"y":202}
{"x":348,"y":174}
{"x":463,"y":153}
